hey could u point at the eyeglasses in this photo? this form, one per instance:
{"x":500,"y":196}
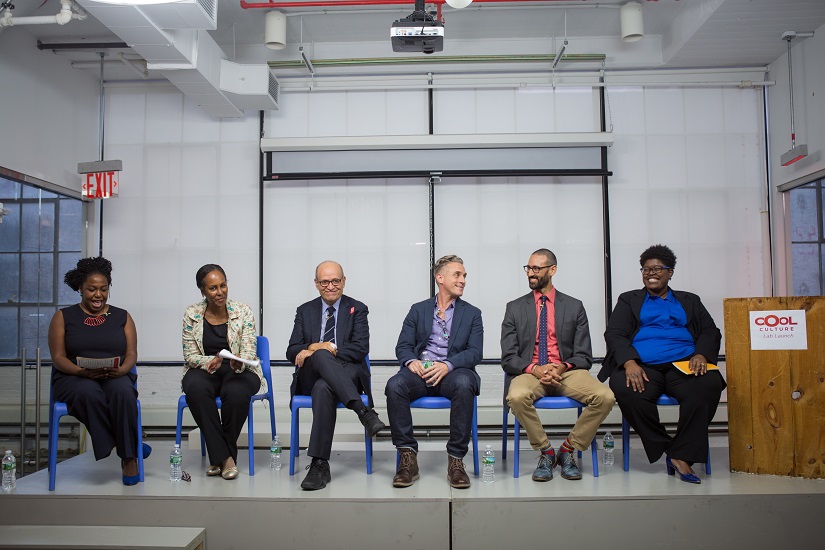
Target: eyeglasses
{"x":535,"y":269}
{"x":333,"y":282}
{"x":655,"y":270}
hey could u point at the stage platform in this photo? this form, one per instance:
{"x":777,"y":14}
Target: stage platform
{"x":642,"y":508}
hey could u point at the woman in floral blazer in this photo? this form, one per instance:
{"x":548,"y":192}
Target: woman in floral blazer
{"x":213,"y":324}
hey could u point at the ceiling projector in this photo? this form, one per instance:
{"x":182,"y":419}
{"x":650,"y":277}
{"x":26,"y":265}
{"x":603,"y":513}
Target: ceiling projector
{"x":418,"y":32}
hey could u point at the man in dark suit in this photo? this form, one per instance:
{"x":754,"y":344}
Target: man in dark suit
{"x":439,"y":347}
{"x":329,"y":344}
{"x":545,"y":351}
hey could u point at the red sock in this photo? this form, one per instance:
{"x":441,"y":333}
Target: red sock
{"x":548,"y":450}
{"x":566,"y":447}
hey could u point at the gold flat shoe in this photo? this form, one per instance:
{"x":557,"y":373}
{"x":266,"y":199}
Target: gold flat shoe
{"x":213,"y":471}
{"x":230,"y":473}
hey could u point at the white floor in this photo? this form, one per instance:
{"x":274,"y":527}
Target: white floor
{"x":83,"y":476}
{"x":359,"y":511}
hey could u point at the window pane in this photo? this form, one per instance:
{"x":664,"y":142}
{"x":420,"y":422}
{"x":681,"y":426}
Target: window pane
{"x":65,"y":295}
{"x":8,"y":328}
{"x":806,"y":264}
{"x":71,"y":225}
{"x":10,"y":229}
{"x":37,"y":283}
{"x":31,"y":192}
{"x":10,"y":281}
{"x":804,"y":225}
{"x":38,"y":227}
{"x":34,"y":329}
{"x":9,"y":189}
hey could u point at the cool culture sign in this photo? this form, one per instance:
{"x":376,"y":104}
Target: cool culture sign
{"x":773,"y":330}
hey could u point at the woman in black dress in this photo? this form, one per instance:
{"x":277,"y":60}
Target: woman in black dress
{"x":103,"y":399}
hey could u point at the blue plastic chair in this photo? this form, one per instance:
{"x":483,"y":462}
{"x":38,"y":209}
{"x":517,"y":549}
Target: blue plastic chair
{"x":663,"y":400}
{"x":434,"y":402}
{"x":263,"y":355}
{"x":544,"y":403}
{"x":57,"y":410}
{"x":305,"y":402}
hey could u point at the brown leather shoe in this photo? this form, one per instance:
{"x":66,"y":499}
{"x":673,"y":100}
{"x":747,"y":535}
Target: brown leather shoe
{"x":407,"y":469}
{"x":456,"y":475}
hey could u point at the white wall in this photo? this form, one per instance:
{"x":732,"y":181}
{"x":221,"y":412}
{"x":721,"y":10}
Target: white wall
{"x":688,"y":173}
{"x":809,"y":118}
{"x":49,"y":112}
{"x":188,"y":197}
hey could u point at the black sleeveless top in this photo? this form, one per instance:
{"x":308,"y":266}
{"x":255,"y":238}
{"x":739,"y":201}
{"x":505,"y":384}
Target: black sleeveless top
{"x":215,"y":339}
{"x":94,"y":336}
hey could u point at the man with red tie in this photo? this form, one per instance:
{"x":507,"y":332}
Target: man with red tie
{"x":545,"y":351}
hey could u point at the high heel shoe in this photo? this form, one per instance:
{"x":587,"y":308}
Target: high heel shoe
{"x":687,"y":478}
{"x":130,"y":480}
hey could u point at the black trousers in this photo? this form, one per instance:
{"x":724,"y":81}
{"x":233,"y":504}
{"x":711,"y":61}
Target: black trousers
{"x":698,"y":398}
{"x":220,"y":431}
{"x":108,"y":409}
{"x":329,"y":382}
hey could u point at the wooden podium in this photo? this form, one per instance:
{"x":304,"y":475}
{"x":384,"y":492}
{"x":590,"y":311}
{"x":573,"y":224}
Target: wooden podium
{"x":776,"y":398}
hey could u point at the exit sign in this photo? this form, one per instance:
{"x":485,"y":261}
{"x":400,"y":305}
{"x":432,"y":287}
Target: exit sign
{"x":101,"y":185}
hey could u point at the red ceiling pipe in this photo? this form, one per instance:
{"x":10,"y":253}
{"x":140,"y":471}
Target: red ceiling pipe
{"x":334,"y":3}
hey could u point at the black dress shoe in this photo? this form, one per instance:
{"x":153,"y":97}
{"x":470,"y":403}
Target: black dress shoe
{"x":318,"y":475}
{"x":369,"y":419}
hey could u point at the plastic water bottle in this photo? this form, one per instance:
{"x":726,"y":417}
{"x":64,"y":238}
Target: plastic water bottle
{"x":9,"y":471}
{"x":175,"y":463}
{"x":275,"y":454}
{"x":426,"y":361}
{"x":607,"y":445}
{"x":488,"y":472}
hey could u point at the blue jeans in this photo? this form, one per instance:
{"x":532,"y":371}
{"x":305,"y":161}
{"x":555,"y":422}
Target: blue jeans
{"x":460,"y":387}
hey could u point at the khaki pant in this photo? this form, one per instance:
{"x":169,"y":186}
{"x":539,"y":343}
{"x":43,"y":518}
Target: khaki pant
{"x":576,"y":384}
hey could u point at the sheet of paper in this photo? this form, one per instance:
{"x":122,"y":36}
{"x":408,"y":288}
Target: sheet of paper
{"x":98,"y":363}
{"x":226,"y":354}
{"x":684,"y":366}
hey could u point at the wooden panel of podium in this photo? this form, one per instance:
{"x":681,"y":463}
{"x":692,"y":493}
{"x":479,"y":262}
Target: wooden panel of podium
{"x":776,"y":398}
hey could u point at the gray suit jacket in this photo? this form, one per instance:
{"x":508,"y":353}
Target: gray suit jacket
{"x":518,"y":335}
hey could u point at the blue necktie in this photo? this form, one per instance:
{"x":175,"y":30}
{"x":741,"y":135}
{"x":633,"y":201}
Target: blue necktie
{"x":329,"y":327}
{"x":543,"y":359}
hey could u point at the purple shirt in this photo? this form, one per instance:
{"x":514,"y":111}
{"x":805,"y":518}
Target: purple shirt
{"x":439,"y":339}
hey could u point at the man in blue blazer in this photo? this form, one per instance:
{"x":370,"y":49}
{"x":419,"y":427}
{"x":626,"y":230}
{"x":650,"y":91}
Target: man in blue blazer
{"x":329,"y":345}
{"x":439,"y":347}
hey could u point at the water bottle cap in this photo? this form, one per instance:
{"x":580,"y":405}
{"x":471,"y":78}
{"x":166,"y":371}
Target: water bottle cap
{"x":177,"y":445}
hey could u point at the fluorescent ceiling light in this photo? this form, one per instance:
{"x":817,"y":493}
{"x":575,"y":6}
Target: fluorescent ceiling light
{"x":136,"y":2}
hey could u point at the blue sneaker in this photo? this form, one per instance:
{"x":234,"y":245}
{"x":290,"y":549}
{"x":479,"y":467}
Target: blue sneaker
{"x":569,"y":469}
{"x":544,"y":471}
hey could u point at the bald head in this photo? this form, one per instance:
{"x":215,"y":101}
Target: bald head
{"x":325,"y":266}
{"x":330,"y":281}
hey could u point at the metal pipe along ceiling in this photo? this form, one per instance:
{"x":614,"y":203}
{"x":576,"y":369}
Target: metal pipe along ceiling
{"x":334,"y":3}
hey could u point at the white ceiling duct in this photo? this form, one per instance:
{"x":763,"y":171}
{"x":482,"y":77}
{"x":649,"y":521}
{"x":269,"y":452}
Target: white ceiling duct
{"x":187,"y":56}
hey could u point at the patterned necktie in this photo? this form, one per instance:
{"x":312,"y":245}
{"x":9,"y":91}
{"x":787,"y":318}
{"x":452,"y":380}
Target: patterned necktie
{"x":543,"y":359}
{"x":329,"y":327}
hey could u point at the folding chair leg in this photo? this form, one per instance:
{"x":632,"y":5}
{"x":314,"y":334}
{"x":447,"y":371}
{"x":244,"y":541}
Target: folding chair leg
{"x":251,"y":441}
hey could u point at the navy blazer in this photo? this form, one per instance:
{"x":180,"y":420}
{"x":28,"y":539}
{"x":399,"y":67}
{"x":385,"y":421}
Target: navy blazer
{"x":625,"y":323}
{"x":352,"y":336}
{"x":466,"y":344}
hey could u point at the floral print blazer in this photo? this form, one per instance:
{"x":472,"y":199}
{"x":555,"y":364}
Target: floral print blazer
{"x":240,"y":334}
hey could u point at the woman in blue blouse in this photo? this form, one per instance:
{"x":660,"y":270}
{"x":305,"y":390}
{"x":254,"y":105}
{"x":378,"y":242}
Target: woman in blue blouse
{"x":649,"y":329}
